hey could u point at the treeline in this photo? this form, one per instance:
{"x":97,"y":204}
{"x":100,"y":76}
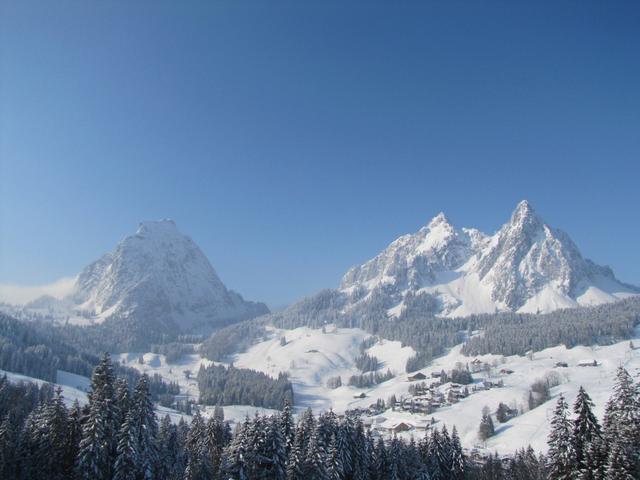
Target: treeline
{"x":370,"y":379}
{"x":39,"y":351}
{"x":234,"y":338}
{"x":367,"y":363}
{"x":457,"y":375}
{"x":219,"y":385}
{"x":172,"y":351}
{"x":516,"y":334}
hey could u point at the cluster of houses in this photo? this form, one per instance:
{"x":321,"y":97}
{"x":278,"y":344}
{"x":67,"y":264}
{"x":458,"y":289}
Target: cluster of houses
{"x":427,"y":393}
{"x":432,"y":393}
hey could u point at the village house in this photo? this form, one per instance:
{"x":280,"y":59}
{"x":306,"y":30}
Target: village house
{"x":587,"y":363}
{"x":401,"y":427}
{"x":416,"y":377}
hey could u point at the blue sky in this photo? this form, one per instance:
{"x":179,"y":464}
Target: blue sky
{"x":292,"y":140}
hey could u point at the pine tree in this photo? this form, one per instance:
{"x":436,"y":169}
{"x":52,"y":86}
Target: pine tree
{"x":380,"y":460}
{"x":214,"y":442}
{"x":561,"y":457}
{"x":334,"y":461}
{"x":622,"y":422}
{"x":9,"y":441}
{"x":275,"y":449}
{"x":412,"y":465}
{"x":359,"y":454}
{"x":445,"y":453}
{"x":434,"y":455}
{"x":146,"y":426}
{"x":233,"y":459}
{"x":595,"y":461}
{"x":316,"y":459}
{"x":287,"y":426}
{"x":33,"y":446}
{"x":122,"y":400}
{"x":74,"y":434}
{"x":98,"y":444}
{"x":486,"y":429}
{"x":395,"y":459}
{"x":167,"y":449}
{"x":127,"y":462}
{"x":344,"y":449}
{"x":501,"y":413}
{"x":195,"y":466}
{"x":618,"y":467}
{"x":296,"y":460}
{"x":55,"y":437}
{"x":458,"y":460}
{"x":586,"y":429}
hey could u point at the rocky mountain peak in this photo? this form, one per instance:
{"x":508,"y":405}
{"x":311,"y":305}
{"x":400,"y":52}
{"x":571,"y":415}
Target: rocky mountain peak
{"x":157,"y":275}
{"x":525,"y":266}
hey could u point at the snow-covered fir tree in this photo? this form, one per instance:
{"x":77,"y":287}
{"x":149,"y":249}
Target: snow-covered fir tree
{"x":561,"y":456}
{"x":99,"y":433}
{"x":586,"y":431}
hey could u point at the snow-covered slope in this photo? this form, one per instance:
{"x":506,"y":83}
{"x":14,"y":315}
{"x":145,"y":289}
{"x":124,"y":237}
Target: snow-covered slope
{"x":527,"y":266}
{"x":156,"y":274}
{"x":311,"y":356}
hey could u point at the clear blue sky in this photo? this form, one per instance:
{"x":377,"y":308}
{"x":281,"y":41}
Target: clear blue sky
{"x":292,"y":140}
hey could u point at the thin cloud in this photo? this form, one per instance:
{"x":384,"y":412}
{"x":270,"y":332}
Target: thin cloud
{"x":21,"y":294}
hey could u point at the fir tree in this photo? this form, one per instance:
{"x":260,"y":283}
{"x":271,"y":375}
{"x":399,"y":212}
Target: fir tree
{"x":334,"y":461}
{"x":618,"y":467}
{"x":214,"y":442}
{"x":622,"y":421}
{"x":127,"y":462}
{"x":380,"y":460}
{"x":395,"y":459}
{"x":276,"y":449}
{"x":287,"y":426}
{"x":195,"y":465}
{"x":8,"y":446}
{"x":458,"y":460}
{"x":98,"y":443}
{"x":296,"y":460}
{"x":55,"y":436}
{"x":586,"y":429}
{"x":561,"y":457}
{"x":146,"y":426}
{"x":122,"y":400}
{"x":486,"y":429}
{"x":167,"y":449}
{"x":74,"y":434}
{"x":315,"y":464}
{"x":434,"y":456}
{"x":344,"y":449}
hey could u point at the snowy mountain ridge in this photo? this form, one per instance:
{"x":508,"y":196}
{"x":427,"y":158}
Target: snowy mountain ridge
{"x":526,"y":266}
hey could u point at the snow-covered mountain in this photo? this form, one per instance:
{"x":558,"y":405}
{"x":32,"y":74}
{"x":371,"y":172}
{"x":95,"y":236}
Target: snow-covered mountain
{"x":527,"y":266}
{"x":158,"y":273}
